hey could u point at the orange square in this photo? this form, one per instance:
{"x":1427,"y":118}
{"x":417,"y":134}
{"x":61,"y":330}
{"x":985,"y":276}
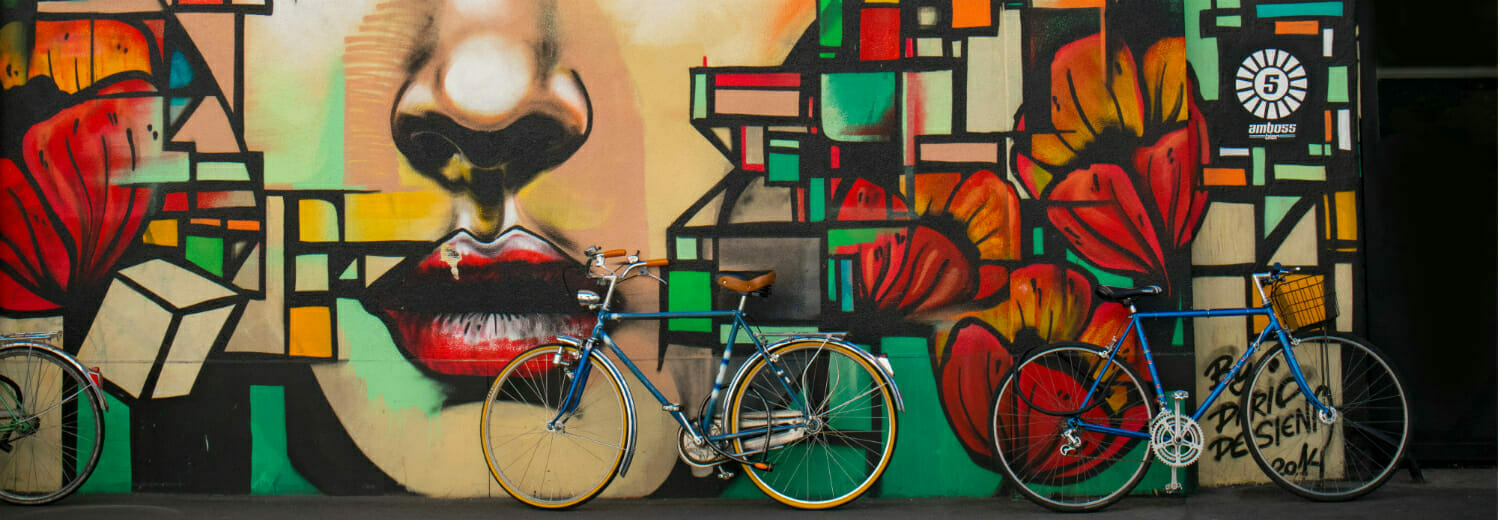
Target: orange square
{"x":971,"y":13}
{"x":310,"y":332}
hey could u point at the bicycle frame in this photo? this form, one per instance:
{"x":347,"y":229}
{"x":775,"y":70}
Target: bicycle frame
{"x":701,"y":431}
{"x":1285,"y":342}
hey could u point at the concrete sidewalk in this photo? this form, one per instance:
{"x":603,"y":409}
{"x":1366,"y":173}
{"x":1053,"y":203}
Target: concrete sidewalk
{"x":1447,"y":494}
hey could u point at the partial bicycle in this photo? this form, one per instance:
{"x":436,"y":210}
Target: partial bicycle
{"x":1075,"y":426}
{"x":809,"y":417}
{"x":51,"y":420}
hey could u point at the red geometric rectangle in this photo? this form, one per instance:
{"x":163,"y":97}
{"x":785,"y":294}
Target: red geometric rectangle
{"x":175,"y":202}
{"x":786,"y":79}
{"x":879,"y":34}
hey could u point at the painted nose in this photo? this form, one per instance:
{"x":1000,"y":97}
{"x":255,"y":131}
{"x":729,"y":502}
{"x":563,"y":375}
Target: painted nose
{"x":488,"y":114}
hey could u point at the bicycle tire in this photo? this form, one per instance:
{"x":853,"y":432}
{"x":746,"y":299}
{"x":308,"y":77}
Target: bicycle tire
{"x":1341,"y":460}
{"x":53,"y":427}
{"x":854,"y":433}
{"x":1103,"y":468}
{"x":577,"y":461}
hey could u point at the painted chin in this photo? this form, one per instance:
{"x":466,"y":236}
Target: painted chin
{"x":476,"y":343}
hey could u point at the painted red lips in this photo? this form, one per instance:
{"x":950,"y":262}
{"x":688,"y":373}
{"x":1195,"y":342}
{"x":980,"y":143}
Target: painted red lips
{"x":469,"y":307}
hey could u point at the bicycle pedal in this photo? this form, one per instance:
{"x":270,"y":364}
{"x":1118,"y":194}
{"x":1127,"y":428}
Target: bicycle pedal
{"x":725,"y":474}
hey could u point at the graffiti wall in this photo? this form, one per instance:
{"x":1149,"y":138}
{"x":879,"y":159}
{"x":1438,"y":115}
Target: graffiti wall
{"x":300,"y":239}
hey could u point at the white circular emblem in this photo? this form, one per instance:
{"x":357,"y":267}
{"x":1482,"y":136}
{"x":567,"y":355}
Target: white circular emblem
{"x":1271,"y":84}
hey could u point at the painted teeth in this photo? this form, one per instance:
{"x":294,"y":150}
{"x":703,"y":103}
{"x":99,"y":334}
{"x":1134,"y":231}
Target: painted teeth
{"x":477,"y":326}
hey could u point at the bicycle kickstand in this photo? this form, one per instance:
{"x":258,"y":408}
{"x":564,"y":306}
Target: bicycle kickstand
{"x":1173,"y":485}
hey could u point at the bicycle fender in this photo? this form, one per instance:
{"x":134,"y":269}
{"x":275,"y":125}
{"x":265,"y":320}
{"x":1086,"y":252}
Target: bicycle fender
{"x":629,"y":399}
{"x":95,"y":392}
{"x":882,"y":366}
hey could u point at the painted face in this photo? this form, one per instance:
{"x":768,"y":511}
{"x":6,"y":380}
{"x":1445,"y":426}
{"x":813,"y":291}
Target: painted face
{"x":486,"y":143}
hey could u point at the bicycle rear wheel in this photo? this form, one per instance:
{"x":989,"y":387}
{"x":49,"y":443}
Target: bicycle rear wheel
{"x":51,"y":428}
{"x":1322,"y":458}
{"x":561,"y":466}
{"x":1036,"y":420}
{"x":835,"y":455}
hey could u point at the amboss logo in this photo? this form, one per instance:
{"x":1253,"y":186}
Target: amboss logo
{"x":1271,"y":84}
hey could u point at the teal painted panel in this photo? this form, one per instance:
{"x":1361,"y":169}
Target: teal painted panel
{"x":1338,"y":84}
{"x":783,"y":167}
{"x":113,"y":473}
{"x":1300,"y":172}
{"x":859,"y":106}
{"x":1300,"y":9}
{"x":271,"y":471}
{"x":929,"y":461}
{"x":700,"y":96}
{"x":687,"y":248}
{"x":689,"y":291}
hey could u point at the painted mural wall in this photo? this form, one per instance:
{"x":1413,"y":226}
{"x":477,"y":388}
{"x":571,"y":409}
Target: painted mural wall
{"x":299,"y":238}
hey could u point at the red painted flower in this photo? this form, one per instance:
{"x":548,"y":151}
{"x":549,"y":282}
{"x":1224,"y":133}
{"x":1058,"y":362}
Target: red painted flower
{"x":1119,"y":165}
{"x":1047,"y":304}
{"x":917,"y":268}
{"x":65,"y":220}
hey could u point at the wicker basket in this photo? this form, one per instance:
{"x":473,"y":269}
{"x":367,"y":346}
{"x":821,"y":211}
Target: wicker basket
{"x":1303,"y":302}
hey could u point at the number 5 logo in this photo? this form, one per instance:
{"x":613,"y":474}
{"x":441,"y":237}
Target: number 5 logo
{"x":1271,"y":84}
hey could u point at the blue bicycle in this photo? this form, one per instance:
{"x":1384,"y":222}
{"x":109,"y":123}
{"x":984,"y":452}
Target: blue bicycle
{"x":810,"y":417}
{"x":1324,"y":416}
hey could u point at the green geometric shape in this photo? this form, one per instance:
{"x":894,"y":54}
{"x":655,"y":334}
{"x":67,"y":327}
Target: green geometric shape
{"x":1258,"y":166}
{"x":1300,"y":9}
{"x":112,"y":474}
{"x":1227,"y":21}
{"x":815,"y":200}
{"x":844,"y":237}
{"x":782,"y":167}
{"x":374,"y":356}
{"x":858,"y":106}
{"x":833,"y":293}
{"x":1202,"y":53}
{"x":1300,"y":172}
{"x":786,"y":143}
{"x":700,"y":96}
{"x":687,"y":248}
{"x":271,"y":471}
{"x":351,"y":272}
{"x":1177,"y":333}
{"x":846,"y":276}
{"x":1036,"y":240}
{"x":1276,"y":209}
{"x":1338,"y":84}
{"x":1105,"y":278}
{"x":828,"y":55}
{"x":222,"y":171}
{"x":1314,"y":149}
{"x":938,"y":465}
{"x":831,"y":23}
{"x":205,"y":252}
{"x":689,"y":291}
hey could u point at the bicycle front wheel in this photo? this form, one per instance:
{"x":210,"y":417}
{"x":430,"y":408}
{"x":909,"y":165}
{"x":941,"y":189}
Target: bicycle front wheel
{"x":51,"y":428}
{"x":835,"y":451}
{"x":1317,"y":456}
{"x":1038,"y":425}
{"x":542,"y":457}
